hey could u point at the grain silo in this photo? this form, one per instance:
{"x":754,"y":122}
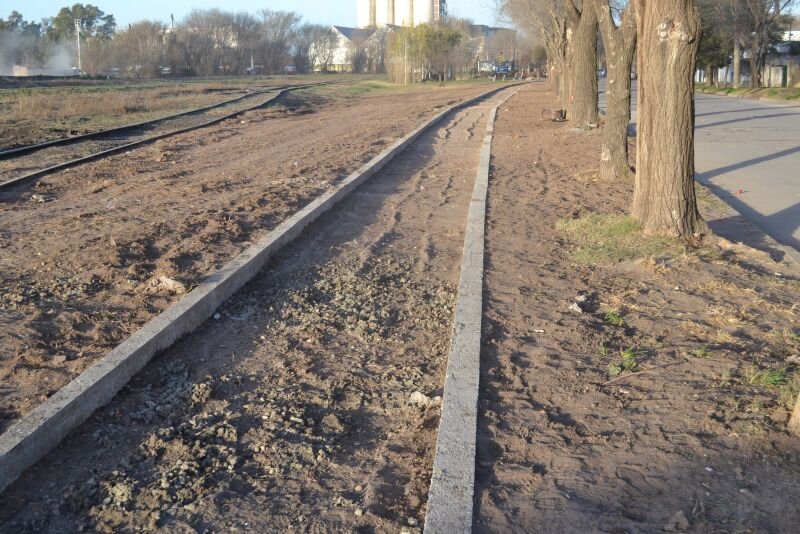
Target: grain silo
{"x":378,"y":13}
{"x":384,"y":13}
{"x":366,"y":13}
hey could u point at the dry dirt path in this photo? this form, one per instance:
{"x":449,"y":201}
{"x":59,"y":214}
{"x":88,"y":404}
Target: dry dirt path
{"x":697,"y":442}
{"x":80,"y":272}
{"x":302,"y":407}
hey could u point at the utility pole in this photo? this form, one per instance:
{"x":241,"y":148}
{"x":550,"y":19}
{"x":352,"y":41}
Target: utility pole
{"x":78,"y":39}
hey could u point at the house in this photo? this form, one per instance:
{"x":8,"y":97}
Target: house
{"x":361,"y":49}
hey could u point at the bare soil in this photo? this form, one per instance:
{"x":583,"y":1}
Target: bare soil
{"x":684,"y":431}
{"x":310,"y":405}
{"x":90,"y":254}
{"x":35,"y":111}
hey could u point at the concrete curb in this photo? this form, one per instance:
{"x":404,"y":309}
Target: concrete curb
{"x":28,"y":440}
{"x":451,"y":494}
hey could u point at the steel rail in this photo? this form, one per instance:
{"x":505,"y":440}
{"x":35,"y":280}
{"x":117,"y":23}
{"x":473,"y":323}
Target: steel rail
{"x":28,"y":149}
{"x":122,"y":148}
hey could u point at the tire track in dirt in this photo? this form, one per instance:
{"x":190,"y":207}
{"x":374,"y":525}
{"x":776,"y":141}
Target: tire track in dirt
{"x":310,"y":404}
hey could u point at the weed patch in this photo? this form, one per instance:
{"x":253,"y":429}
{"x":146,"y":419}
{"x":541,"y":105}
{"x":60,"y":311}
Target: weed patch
{"x":612,"y":239}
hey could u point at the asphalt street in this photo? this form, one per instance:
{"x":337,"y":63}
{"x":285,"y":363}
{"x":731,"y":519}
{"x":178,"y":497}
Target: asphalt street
{"x":748,"y":153}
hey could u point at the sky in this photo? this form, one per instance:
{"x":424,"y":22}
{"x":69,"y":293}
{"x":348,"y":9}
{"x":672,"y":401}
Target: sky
{"x":339,"y":12}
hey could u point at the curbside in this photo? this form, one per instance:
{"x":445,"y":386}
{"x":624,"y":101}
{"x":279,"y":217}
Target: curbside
{"x":451,"y":494}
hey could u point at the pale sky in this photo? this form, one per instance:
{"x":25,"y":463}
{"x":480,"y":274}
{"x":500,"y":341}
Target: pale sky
{"x":340,"y":12}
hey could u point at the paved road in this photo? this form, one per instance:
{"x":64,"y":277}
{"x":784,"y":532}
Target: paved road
{"x":748,"y":152}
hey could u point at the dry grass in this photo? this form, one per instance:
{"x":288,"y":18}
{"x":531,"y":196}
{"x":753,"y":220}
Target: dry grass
{"x":608,"y":239}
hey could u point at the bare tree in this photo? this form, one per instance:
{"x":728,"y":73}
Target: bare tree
{"x":323,"y":48}
{"x":620,"y":46}
{"x":664,"y":199}
{"x":581,"y":63}
{"x":278,"y":29}
{"x":545,"y":18}
{"x":761,"y":18}
{"x":139,"y":49}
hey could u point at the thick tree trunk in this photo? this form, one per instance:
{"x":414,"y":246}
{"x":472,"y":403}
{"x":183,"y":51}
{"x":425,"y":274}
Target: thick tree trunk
{"x":664,"y":198}
{"x":581,"y":65}
{"x":620,"y":44}
{"x":737,"y":63}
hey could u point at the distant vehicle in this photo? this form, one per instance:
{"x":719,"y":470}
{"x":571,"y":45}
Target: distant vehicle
{"x":255,"y":69}
{"x":503,"y":69}
{"x":165,"y":71}
{"x":290,"y":68}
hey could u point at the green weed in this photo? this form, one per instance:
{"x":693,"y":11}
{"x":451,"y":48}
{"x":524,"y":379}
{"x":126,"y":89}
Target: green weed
{"x":702,"y":352}
{"x":629,"y":362}
{"x":767,"y":377}
{"x":614,"y":318}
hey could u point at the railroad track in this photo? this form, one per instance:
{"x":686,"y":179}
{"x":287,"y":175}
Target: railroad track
{"x":23,"y":164}
{"x":354,"y":307}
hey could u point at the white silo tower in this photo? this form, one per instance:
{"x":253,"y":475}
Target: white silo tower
{"x":423,"y":11}
{"x":384,"y":13}
{"x":404,"y":12}
{"x":365,"y":13}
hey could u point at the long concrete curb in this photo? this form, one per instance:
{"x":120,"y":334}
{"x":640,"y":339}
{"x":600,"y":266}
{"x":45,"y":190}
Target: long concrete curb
{"x":451,"y":494}
{"x":42,"y":429}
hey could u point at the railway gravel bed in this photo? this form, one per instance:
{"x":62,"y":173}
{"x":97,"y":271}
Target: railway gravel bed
{"x":109,"y":245}
{"x":310,"y":403}
{"x":663,"y":405}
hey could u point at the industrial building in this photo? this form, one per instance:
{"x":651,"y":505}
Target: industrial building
{"x":380,"y":13}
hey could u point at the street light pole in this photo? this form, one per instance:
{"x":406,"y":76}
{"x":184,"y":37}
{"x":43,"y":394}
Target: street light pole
{"x":78,"y":39}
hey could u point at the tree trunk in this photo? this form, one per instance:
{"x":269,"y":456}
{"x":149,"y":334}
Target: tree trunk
{"x":664,"y":199}
{"x":794,"y":421}
{"x":737,"y":63}
{"x":581,"y":65}
{"x":620,"y":45}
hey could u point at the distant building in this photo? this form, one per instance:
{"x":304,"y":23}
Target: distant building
{"x":35,"y":70}
{"x":369,"y":41}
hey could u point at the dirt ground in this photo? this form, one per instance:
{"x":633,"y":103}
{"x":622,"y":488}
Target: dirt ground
{"x":311,"y":404}
{"x":659,"y":402}
{"x":35,"y":111}
{"x":100,"y":251}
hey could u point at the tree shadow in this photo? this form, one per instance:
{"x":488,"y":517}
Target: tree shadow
{"x":744,"y":119}
{"x":735,"y":227}
{"x":743,"y":110}
{"x":747,"y":163}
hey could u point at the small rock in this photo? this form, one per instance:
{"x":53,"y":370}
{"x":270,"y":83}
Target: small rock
{"x":217,"y":317}
{"x":423,"y":401}
{"x":576,"y":308}
{"x":358,"y":512}
{"x":412,"y":522}
{"x":678,"y":523}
